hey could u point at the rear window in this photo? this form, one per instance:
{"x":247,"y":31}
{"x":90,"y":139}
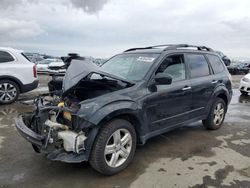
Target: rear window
{"x":215,"y":63}
{"x":5,"y":57}
{"x":26,"y":57}
{"x":198,"y":65}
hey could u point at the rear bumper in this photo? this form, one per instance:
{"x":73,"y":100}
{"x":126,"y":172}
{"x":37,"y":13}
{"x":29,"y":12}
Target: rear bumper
{"x":29,"y":87}
{"x":27,"y":133}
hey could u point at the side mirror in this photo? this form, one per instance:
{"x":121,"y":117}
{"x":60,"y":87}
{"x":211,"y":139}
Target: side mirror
{"x":163,"y":79}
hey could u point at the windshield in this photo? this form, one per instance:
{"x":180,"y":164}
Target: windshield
{"x":132,"y":67}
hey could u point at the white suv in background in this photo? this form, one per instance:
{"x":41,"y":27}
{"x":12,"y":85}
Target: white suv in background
{"x":17,"y":75}
{"x":245,"y":85}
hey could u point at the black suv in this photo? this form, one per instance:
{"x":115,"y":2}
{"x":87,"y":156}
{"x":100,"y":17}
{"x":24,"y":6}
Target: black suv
{"x":104,"y":112}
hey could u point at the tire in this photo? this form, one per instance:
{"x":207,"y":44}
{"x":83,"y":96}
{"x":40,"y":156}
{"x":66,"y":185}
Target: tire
{"x":9,"y":91}
{"x":244,"y":93}
{"x":214,"y":121}
{"x":114,"y":161}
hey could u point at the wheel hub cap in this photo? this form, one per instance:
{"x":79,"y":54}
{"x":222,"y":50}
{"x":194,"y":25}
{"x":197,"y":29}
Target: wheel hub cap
{"x":218,"y":113}
{"x":118,"y":148}
{"x":7,"y":92}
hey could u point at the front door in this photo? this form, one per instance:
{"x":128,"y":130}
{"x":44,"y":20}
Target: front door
{"x":169,"y":105}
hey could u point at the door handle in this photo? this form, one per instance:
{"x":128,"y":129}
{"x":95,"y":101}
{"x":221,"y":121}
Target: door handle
{"x":214,"y":82}
{"x":186,"y":88}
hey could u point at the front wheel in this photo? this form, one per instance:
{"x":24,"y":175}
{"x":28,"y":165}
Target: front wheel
{"x":114,"y":147}
{"x":216,"y":116}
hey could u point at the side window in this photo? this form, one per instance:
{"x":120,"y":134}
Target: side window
{"x":215,"y":63}
{"x":198,"y":65}
{"x":5,"y":57}
{"x":173,"y":66}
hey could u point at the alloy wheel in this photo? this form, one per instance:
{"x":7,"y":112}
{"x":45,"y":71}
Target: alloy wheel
{"x":219,"y":113}
{"x":118,"y":148}
{"x":8,"y":92}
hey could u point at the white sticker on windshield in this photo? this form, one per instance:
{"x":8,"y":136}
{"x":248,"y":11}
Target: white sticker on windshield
{"x":146,"y":59}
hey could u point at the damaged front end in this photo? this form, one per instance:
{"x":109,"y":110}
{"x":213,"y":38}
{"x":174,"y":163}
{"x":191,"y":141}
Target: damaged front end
{"x":55,"y":130}
{"x":61,"y":127}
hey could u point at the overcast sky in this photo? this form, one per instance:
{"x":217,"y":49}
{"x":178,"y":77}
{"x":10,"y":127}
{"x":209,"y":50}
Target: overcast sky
{"x":102,"y":28}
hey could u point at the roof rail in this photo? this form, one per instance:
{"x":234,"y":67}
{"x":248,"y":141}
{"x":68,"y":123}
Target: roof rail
{"x":175,"y":47}
{"x":148,"y":47}
{"x":171,"y":47}
{"x":142,"y":48}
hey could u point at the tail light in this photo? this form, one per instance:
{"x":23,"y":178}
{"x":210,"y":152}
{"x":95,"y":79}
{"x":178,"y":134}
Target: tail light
{"x":34,"y":71}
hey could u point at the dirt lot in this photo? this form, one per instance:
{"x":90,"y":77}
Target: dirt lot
{"x":188,"y":157}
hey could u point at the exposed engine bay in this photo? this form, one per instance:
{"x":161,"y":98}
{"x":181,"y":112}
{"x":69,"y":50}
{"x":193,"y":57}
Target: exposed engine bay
{"x":91,"y":88}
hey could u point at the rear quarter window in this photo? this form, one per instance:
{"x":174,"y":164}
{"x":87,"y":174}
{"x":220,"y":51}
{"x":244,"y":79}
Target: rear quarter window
{"x":26,"y":57}
{"x":5,"y":57}
{"x":216,"y":63}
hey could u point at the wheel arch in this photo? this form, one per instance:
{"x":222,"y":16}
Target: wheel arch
{"x":13,"y":79}
{"x":126,"y":115}
{"x":224,"y":97}
{"x":130,"y":117}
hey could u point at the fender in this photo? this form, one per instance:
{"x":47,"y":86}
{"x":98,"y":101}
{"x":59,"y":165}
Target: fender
{"x":220,"y":89}
{"x":107,"y":112}
{"x":114,"y":109}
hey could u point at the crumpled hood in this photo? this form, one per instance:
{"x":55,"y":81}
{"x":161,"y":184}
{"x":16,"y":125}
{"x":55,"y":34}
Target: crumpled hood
{"x":79,"y":69}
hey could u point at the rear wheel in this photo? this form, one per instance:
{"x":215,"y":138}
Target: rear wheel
{"x":216,"y":116}
{"x":9,"y":91}
{"x":114,"y":147}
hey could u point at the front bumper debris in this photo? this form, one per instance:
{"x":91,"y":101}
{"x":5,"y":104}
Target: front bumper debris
{"x":27,"y":133}
{"x":41,"y":141}
{"x":67,"y":157}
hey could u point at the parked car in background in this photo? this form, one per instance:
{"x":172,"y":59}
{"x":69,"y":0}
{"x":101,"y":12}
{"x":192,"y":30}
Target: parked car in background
{"x":239,"y":68}
{"x":225,"y":59}
{"x":45,"y":65}
{"x":42,"y":66}
{"x":57,"y":66}
{"x":17,"y":74}
{"x":105,"y":111}
{"x":245,"y":84}
{"x":55,"y":84}
{"x":33,"y":57}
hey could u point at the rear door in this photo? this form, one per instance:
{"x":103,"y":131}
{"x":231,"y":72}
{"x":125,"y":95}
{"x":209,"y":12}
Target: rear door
{"x":202,"y":82}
